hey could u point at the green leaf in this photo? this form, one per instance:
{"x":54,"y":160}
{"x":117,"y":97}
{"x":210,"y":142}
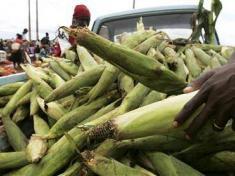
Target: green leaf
{"x":216,"y":7}
{"x":200,"y":6}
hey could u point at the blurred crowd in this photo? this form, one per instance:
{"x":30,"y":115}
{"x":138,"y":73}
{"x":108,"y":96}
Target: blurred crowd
{"x":20,"y":50}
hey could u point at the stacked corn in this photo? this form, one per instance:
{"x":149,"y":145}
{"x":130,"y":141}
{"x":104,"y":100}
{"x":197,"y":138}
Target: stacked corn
{"x":107,"y":109}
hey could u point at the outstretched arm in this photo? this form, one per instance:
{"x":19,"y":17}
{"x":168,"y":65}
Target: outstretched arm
{"x":217,"y":91}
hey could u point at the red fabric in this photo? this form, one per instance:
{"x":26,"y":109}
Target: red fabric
{"x":20,"y":41}
{"x":81,"y":11}
{"x":57,"y":50}
{"x":72,"y":40}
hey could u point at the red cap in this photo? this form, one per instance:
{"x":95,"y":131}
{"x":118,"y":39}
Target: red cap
{"x":81,"y":11}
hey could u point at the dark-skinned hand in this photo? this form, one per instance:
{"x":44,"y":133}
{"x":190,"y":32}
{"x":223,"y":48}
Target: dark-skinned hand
{"x":217,"y":91}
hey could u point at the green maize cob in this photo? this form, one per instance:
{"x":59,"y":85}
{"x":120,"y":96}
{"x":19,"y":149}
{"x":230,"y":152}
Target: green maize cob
{"x":4,"y":144}
{"x":61,"y":149}
{"x":221,"y":59}
{"x":69,"y":120}
{"x":138,"y":37}
{"x":163,"y":143}
{"x":87,"y":61}
{"x":40,"y":126}
{"x":220,"y":142}
{"x":162,"y":46}
{"x":70,"y":55}
{"x":191,"y":63}
{"x":4,"y":100}
{"x":169,"y":54}
{"x":104,"y":166}
{"x":57,"y":68}
{"x":153,"y":97}
{"x":167,"y":165}
{"x":134,"y":98}
{"x":13,"y":160}
{"x":102,"y":111}
{"x":21,"y":92}
{"x":24,"y":100}
{"x":34,"y":107}
{"x":201,"y":55}
{"x":227,"y":52}
{"x":130,"y":163}
{"x":214,"y":63}
{"x":52,"y":109}
{"x":107,"y":78}
{"x":85,"y":79}
{"x":206,"y":47}
{"x":20,"y":114}
{"x":142,"y":68}
{"x":36,"y":149}
{"x":156,"y":118}
{"x":181,"y":69}
{"x":69,"y":67}
{"x":72,"y":170}
{"x":98,"y":59}
{"x":43,"y":89}
{"x":217,"y":163}
{"x":10,"y":89}
{"x":16,"y":138}
{"x":152,"y":41}
{"x":125,"y":84}
{"x":55,"y":80}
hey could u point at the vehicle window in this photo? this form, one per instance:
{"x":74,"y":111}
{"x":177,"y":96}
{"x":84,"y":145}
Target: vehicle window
{"x":104,"y":31}
{"x":177,"y":25}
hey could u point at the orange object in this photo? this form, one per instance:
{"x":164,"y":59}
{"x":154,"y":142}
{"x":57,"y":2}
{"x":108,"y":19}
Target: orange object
{"x":7,"y":70}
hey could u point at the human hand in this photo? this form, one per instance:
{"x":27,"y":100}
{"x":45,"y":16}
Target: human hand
{"x":217,"y":91}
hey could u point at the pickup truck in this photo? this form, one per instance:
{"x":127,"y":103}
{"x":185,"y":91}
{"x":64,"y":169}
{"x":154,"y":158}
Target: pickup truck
{"x":175,"y":20}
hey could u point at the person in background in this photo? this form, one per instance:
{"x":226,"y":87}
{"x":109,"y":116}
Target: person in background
{"x":25,"y":31}
{"x":43,"y":52}
{"x":45,"y":43}
{"x":1,"y":45}
{"x":37,"y":50}
{"x":7,"y":45}
{"x":17,"y":54}
{"x":46,"y":40}
{"x":81,"y":18}
{"x":38,"y":42}
{"x":25,"y":42}
{"x":19,"y":39}
{"x":217,"y":92}
{"x":56,"y":49}
{"x":31,"y":50}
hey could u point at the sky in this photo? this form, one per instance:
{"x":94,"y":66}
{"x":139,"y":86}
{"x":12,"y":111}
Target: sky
{"x":55,"y":13}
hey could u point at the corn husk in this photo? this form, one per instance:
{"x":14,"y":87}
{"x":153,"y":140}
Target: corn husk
{"x":36,"y":149}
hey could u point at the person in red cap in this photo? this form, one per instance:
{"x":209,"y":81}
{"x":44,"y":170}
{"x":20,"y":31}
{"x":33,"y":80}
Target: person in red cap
{"x":81,"y":18}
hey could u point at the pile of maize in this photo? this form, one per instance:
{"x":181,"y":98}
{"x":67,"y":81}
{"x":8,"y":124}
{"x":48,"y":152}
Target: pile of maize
{"x":107,"y":109}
